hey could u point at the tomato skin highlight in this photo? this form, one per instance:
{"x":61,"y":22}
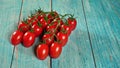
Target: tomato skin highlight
{"x":62,"y":37}
{"x":42,"y":51}
{"x":72,"y":22}
{"x":28,"y":39}
{"x":55,"y":50}
{"x":16,"y":37}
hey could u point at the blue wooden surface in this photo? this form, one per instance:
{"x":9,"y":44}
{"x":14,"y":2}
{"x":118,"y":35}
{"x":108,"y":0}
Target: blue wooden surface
{"x":9,"y":16}
{"x":105,"y":45}
{"x":95,"y":43}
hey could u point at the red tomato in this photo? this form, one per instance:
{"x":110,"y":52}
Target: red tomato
{"x":48,"y":39}
{"x":66,"y":28}
{"x":62,"y":37}
{"x":58,"y":20}
{"x":42,"y":51}
{"x":16,"y":37}
{"x":37,"y":30}
{"x":72,"y":22}
{"x":53,"y":15}
{"x":28,"y":39}
{"x":43,"y":22}
{"x":30,"y":19}
{"x":55,"y":50}
{"x":35,"y":22}
{"x":49,"y":21}
{"x":41,"y":15}
{"x":24,"y":27}
{"x":51,"y":29}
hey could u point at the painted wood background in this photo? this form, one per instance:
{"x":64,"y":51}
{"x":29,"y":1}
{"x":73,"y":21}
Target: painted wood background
{"x":95,"y":43}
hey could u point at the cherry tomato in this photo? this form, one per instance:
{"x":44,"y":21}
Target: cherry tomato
{"x":49,"y":21}
{"x":72,"y":22}
{"x":58,"y":20}
{"x":66,"y":28}
{"x":23,"y":27}
{"x":35,"y":22}
{"x":53,"y":15}
{"x":55,"y":50}
{"x":28,"y":39}
{"x":37,"y":30}
{"x":48,"y":39}
{"x":43,"y":22}
{"x":51,"y":29}
{"x":62,"y":37}
{"x":16,"y":37}
{"x":30,"y":19}
{"x":41,"y":15}
{"x":42,"y":51}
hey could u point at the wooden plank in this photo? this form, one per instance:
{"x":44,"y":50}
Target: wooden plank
{"x":25,"y":57}
{"x":113,"y":16}
{"x":77,"y":53}
{"x":9,"y":15}
{"x":105,"y":46}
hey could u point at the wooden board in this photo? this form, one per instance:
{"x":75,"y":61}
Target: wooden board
{"x":9,"y":15}
{"x":105,"y":47}
{"x":95,"y":43}
{"x":25,"y":57}
{"x":113,"y":16}
{"x":77,"y":53}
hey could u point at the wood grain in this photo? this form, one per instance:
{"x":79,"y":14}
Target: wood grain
{"x":95,"y":43}
{"x":113,"y":15}
{"x":105,"y":46}
{"x":77,"y":53}
{"x":9,"y":15}
{"x":25,"y":57}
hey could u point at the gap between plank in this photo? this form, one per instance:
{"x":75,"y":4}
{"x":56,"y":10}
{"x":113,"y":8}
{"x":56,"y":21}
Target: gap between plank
{"x":18,"y":23}
{"x":88,"y":34}
{"x":50,"y":5}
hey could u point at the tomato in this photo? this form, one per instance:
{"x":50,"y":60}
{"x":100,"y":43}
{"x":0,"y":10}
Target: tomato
{"x":66,"y":28}
{"x":49,"y":21}
{"x":58,"y":20}
{"x":42,"y":51}
{"x":16,"y":37}
{"x":41,"y":15}
{"x":48,"y":39}
{"x":72,"y":22}
{"x":35,"y":22}
{"x":53,"y":15}
{"x":28,"y":39}
{"x":30,"y":19}
{"x":43,"y":22}
{"x":23,"y":27}
{"x":51,"y":29}
{"x":62,"y":37}
{"x":37,"y":30}
{"x":55,"y":50}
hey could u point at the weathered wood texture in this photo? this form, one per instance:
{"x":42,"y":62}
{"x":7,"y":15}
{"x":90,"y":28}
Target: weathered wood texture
{"x":95,"y":43}
{"x":9,"y":16}
{"x":99,"y":16}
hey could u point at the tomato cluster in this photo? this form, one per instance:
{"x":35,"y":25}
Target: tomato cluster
{"x":52,"y":29}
